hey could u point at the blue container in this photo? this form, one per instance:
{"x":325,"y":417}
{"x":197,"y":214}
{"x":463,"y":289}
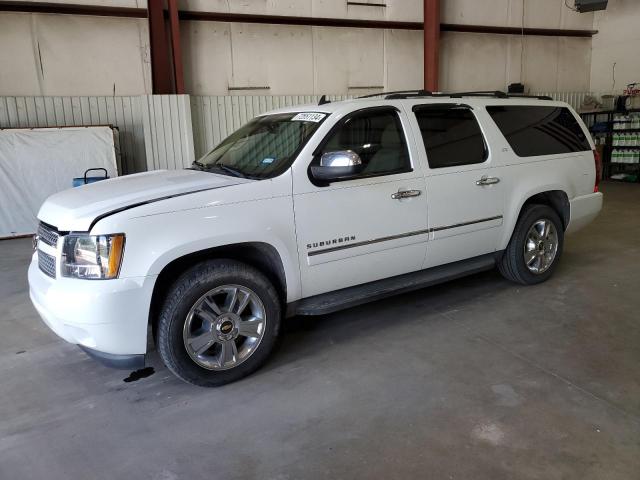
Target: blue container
{"x":84,"y":180}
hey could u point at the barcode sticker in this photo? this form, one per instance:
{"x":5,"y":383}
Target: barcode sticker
{"x":309,"y":117}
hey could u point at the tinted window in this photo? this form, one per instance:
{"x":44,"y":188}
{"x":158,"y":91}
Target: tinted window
{"x":451,"y":136}
{"x":532,"y":130}
{"x":375,"y":135}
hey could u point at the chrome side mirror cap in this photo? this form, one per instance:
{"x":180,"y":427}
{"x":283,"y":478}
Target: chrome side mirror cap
{"x":336,"y":166}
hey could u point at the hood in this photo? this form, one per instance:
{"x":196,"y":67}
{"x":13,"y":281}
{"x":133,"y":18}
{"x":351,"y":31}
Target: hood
{"x":76,"y":208}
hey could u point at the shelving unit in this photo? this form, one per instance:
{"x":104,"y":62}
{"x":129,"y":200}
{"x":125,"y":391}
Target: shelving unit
{"x":595,"y":121}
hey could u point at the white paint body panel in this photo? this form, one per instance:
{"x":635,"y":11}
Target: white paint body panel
{"x":167,"y":215}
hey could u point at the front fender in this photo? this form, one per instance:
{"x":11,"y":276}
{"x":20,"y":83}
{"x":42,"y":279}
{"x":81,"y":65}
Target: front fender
{"x":154,"y":241}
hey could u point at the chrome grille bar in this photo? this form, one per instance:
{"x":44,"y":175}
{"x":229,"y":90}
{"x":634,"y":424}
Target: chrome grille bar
{"x":48,"y":234}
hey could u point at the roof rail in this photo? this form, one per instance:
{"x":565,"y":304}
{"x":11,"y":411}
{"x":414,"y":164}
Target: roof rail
{"x":498,"y":94}
{"x":539,"y":97}
{"x":481,"y":93}
{"x":400,"y":93}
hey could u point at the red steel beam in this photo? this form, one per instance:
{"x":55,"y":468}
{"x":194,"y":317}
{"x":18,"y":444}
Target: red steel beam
{"x":431,"y":12}
{"x":176,"y":50}
{"x":160,"y":68}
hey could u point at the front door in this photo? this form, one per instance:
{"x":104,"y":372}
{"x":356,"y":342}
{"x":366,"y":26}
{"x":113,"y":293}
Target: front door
{"x":363,"y":229}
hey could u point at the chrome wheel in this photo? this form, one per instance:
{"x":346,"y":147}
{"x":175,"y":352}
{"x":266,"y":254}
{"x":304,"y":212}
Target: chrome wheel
{"x":224,"y":327}
{"x":540,"y":246}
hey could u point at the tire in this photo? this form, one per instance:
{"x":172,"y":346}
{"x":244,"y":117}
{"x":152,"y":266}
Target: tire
{"x":196,"y":313}
{"x":522,"y":247}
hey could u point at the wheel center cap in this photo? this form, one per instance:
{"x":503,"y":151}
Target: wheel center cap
{"x":226,"y":327}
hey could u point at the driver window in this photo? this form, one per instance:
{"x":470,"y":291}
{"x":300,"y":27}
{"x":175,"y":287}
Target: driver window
{"x":377,"y":137}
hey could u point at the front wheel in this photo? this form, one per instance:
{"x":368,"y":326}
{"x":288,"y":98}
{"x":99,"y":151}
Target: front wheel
{"x":535,"y":246}
{"x":219,"y":323}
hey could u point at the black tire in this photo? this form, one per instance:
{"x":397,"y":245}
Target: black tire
{"x":185,"y":292}
{"x":512,"y":264}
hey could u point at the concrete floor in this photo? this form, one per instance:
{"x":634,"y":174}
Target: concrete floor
{"x":475,"y":379}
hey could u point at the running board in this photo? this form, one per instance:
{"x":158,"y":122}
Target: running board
{"x":352,"y":296}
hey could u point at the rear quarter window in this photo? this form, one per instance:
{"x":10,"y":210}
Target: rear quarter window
{"x":543,"y":130}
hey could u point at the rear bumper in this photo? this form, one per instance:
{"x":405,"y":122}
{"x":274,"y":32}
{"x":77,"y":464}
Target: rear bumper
{"x":584,"y":209}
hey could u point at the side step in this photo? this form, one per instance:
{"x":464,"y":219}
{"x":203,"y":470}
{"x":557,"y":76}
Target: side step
{"x":352,"y":296}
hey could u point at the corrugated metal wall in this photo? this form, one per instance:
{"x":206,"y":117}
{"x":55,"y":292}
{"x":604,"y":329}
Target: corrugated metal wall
{"x":167,"y":131}
{"x":122,"y":112}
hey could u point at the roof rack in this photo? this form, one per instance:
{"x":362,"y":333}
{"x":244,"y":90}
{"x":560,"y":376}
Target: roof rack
{"x":497,"y":94}
{"x":401,"y":94}
{"x":413,"y":93}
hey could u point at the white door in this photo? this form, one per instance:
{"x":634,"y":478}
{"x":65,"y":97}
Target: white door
{"x":360,"y":230}
{"x":465,"y":196}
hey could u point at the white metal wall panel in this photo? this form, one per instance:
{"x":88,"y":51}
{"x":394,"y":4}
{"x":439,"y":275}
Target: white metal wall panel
{"x":121,"y":112}
{"x":167,"y":130}
{"x":216,"y":117}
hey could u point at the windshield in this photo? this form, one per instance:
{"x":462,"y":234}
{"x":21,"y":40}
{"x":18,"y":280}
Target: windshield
{"x":263,"y":148}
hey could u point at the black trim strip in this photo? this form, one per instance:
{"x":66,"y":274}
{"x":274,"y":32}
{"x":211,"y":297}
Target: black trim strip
{"x":463,"y":224}
{"x":401,"y":235}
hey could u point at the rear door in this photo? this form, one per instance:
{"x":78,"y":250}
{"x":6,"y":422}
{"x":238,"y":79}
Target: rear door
{"x":465,"y":195}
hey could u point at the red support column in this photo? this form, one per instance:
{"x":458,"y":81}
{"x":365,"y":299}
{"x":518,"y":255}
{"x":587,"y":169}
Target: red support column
{"x":176,"y":51}
{"x":160,"y":67}
{"x":431,"y":13}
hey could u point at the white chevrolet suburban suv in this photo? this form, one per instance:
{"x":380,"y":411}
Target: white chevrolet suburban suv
{"x":307,"y":210}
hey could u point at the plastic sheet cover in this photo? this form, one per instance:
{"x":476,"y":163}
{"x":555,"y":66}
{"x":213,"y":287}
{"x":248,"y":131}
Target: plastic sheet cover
{"x":36,"y":163}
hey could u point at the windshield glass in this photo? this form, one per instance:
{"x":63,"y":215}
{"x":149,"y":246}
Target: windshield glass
{"x":263,"y":148}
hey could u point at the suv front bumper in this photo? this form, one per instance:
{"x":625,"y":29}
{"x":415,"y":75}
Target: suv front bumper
{"x":106,"y":318}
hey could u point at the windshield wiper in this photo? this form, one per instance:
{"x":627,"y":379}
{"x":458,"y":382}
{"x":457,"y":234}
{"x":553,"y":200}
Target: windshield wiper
{"x":231,"y":170}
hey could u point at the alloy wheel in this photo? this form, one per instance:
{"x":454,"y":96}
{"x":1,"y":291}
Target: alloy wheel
{"x":224,"y":327}
{"x":540,"y":246}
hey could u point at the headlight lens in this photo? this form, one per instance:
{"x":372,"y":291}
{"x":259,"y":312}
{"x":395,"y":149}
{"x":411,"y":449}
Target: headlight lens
{"x":92,"y":256}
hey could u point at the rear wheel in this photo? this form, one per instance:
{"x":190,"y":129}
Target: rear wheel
{"x":219,"y":323}
{"x":535,"y":246}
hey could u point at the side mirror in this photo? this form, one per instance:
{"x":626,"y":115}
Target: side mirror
{"x":335,"y":166}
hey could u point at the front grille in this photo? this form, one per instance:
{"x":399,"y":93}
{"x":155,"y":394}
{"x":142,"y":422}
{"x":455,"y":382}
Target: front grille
{"x":47,"y":263}
{"x":48,"y":234}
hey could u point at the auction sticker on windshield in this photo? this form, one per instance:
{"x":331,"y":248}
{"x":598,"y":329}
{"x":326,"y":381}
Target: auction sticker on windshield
{"x":309,"y":117}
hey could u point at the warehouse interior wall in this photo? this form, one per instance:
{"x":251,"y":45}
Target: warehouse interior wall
{"x":46,"y":54}
{"x":615,"y":57}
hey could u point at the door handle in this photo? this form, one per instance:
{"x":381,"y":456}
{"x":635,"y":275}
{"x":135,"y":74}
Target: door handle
{"x":484,"y":180}
{"x":400,"y":194}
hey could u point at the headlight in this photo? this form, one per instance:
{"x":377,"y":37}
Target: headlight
{"x":92,"y":256}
